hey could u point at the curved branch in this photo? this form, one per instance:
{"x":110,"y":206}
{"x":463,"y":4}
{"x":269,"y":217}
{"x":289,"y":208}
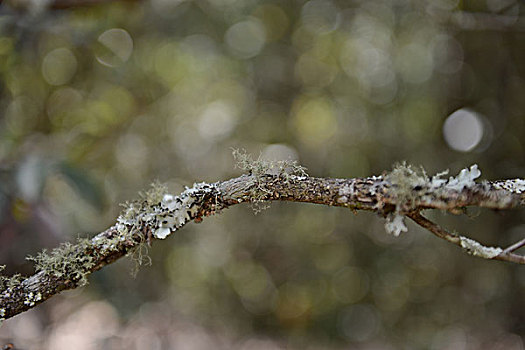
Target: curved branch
{"x":157,"y":214}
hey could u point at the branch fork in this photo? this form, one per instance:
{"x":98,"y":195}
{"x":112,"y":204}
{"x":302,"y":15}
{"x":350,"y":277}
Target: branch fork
{"x":405,"y":192}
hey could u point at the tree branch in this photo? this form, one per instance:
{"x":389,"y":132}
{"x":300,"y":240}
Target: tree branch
{"x":469,"y":245}
{"x":157,"y":214}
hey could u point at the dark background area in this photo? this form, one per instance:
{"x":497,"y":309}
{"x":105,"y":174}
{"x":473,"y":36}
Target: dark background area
{"x":99,"y":101}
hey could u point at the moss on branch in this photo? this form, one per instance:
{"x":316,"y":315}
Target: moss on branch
{"x":156,"y":214}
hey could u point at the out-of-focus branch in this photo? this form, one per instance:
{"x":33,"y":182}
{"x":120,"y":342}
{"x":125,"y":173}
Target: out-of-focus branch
{"x":39,"y":5}
{"x":64,"y":4}
{"x":471,"y":21}
{"x":157,"y":214}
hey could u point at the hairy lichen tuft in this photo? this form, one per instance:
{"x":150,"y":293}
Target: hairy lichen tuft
{"x":260,"y":167}
{"x":9,"y":282}
{"x":407,"y":182}
{"x":66,"y":261}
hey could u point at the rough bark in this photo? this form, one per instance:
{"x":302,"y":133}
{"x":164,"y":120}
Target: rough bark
{"x":147,"y":219}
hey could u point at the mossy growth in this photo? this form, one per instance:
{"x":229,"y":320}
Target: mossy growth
{"x":134,"y":215}
{"x":71,"y":261}
{"x":9,"y":282}
{"x":258,"y":168}
{"x":407,"y":182}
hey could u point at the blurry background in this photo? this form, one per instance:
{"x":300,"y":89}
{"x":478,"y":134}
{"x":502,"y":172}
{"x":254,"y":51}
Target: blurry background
{"x":98,"y":101}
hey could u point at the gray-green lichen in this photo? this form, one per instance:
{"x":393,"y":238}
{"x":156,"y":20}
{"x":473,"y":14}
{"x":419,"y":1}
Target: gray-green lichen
{"x":67,"y":261}
{"x":259,"y":168}
{"x":395,"y":224}
{"x":163,"y":213}
{"x":32,"y":298}
{"x":156,"y":212}
{"x":475,"y":248}
{"x":411,"y":186}
{"x":514,"y":186}
{"x":8,"y":283}
{"x":4,"y":282}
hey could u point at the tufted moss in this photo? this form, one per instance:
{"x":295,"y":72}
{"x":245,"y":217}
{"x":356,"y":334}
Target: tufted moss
{"x":66,"y":261}
{"x":11,"y":281}
{"x":259,"y":168}
{"x":407,"y":182}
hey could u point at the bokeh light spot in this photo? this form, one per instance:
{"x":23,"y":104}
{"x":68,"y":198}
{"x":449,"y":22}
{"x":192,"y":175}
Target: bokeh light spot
{"x":320,"y":16}
{"x":60,"y":102}
{"x":415,"y":63}
{"x":217,"y":120}
{"x":165,"y":8}
{"x":359,"y":322}
{"x":314,"y":72}
{"x":463,"y":130}
{"x":314,"y":120}
{"x":294,"y":302}
{"x":85,"y":327}
{"x":59,"y":66}
{"x":448,"y":54}
{"x":131,"y":151}
{"x":116,"y":48}
{"x":21,"y":115}
{"x":246,"y":39}
{"x":350,"y":284}
{"x":275,"y":20}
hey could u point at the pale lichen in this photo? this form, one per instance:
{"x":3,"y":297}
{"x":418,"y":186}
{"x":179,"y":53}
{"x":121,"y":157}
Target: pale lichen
{"x":9,"y":282}
{"x":163,"y":213}
{"x":464,"y":179}
{"x":395,"y":224}
{"x":260,"y":167}
{"x":407,"y":183}
{"x":514,"y":186}
{"x":411,"y":186}
{"x":67,"y":261}
{"x":477,"y":249}
{"x":346,"y":192}
{"x":32,"y":298}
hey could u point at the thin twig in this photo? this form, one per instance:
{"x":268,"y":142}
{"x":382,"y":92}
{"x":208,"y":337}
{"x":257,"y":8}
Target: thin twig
{"x":434,"y":228}
{"x":515,"y":246}
{"x":474,"y":247}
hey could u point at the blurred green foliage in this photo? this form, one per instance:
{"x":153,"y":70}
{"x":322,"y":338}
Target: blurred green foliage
{"x":99,"y":101}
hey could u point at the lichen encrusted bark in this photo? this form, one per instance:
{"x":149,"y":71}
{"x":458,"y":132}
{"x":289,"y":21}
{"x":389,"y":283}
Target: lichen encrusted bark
{"x":163,"y":213}
{"x":156,"y":214}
